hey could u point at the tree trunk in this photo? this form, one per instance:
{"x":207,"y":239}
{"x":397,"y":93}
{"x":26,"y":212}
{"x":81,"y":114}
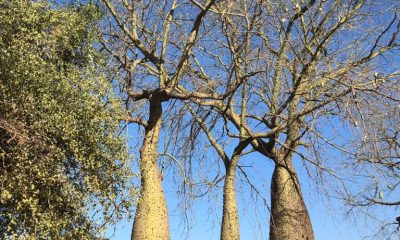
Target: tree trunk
{"x":230,"y":218}
{"x":151,"y":218}
{"x":289,"y":216}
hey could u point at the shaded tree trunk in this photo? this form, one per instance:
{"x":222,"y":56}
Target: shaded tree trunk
{"x":230,"y":217}
{"x":151,"y":218}
{"x":289,"y":215}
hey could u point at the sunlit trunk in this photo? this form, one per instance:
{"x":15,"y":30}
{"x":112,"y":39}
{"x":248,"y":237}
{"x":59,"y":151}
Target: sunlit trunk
{"x":151,"y":218}
{"x":230,"y":217}
{"x":289,"y":216}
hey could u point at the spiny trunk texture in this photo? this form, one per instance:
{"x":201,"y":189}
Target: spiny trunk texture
{"x":230,"y":218}
{"x":289,"y":216}
{"x":151,"y":218}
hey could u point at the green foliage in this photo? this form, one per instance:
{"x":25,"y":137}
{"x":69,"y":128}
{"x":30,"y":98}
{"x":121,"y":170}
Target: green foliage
{"x":60,"y":151}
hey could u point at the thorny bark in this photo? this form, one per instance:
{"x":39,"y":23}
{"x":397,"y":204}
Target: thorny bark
{"x":289,"y":215}
{"x":230,"y":216}
{"x":151,"y":218}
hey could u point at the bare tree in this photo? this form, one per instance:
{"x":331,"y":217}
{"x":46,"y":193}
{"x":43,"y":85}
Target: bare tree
{"x":272,"y":70}
{"x":152,"y":44}
{"x":230,"y":216}
{"x":309,"y":59}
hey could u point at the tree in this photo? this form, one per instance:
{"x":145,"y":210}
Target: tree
{"x":306,"y":71}
{"x":152,"y":48}
{"x":273,"y":71}
{"x":60,"y":150}
{"x":230,"y":214}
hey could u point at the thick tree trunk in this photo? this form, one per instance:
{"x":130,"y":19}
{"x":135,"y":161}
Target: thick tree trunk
{"x":289,"y":216}
{"x":151,"y":218}
{"x":230,"y":217}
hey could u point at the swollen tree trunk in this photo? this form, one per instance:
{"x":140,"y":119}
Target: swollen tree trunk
{"x":289,"y":216}
{"x":230,"y":217}
{"x":151,"y":218}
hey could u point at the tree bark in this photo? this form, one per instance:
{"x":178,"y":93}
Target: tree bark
{"x":289,"y":215}
{"x":151,"y":218}
{"x":230,"y":217}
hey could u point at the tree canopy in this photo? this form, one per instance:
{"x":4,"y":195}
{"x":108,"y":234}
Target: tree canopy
{"x":61,"y":152}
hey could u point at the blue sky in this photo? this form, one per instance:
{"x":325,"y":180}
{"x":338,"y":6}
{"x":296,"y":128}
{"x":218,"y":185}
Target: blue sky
{"x":327,"y":216}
